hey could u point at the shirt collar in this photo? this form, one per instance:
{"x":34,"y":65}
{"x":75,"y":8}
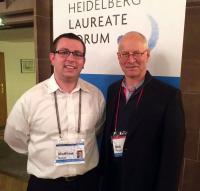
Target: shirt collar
{"x":133,"y":88}
{"x":53,"y":86}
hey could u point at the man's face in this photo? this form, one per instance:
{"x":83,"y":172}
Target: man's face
{"x":68,"y":60}
{"x":133,"y":57}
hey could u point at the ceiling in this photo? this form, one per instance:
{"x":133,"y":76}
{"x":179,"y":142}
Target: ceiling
{"x":17,"y":18}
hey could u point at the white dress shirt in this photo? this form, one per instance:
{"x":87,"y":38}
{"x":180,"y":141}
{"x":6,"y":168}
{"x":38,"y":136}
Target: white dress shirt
{"x":32,"y":126}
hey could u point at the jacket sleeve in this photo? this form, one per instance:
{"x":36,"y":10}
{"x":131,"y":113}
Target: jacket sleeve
{"x":103,"y":147}
{"x":172,"y":145}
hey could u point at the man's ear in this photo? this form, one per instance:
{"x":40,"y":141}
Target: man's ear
{"x":51,"y":58}
{"x":148,"y":52}
{"x":118,"y":55}
{"x":84,"y":63}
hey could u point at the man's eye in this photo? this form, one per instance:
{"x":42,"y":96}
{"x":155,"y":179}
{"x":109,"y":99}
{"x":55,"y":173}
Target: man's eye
{"x":78,"y":54}
{"x":125,"y":54}
{"x":64,"y":52}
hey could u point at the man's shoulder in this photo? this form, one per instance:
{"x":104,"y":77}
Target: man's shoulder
{"x":37,"y":89}
{"x":115,"y":85}
{"x":162,"y":86}
{"x":161,"y":90}
{"x":34,"y":94}
{"x":89,"y":87}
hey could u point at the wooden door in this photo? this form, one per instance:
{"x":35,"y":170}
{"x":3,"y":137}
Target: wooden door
{"x":3,"y":103}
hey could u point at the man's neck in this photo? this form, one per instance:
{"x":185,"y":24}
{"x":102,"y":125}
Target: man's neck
{"x":133,"y":82}
{"x":67,"y":85}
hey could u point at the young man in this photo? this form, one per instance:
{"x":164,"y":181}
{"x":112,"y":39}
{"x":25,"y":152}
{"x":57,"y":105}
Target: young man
{"x":143,"y":140}
{"x":55,"y":119}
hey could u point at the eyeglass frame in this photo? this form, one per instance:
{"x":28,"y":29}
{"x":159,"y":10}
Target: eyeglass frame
{"x":65,"y":53}
{"x":135,"y":54}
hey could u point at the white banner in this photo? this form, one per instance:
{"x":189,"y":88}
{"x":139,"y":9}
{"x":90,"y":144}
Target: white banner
{"x":101,"y":22}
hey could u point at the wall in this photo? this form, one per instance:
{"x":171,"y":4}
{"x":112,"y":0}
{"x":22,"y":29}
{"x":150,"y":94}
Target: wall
{"x":43,"y":37}
{"x":16,"y":82}
{"x":190,"y":86}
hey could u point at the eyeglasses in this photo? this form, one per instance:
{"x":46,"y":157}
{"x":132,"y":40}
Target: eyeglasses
{"x":126,"y":55}
{"x":66,"y":53}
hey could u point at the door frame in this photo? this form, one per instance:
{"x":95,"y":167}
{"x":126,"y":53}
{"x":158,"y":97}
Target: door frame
{"x":3,"y":99}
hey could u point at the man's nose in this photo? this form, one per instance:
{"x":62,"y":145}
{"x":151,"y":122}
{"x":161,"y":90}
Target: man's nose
{"x":132,"y":57}
{"x":70,"y":57}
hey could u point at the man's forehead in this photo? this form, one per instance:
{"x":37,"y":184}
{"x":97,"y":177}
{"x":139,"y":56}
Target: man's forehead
{"x":70,"y":43}
{"x":132,"y":45}
{"x":133,"y":38}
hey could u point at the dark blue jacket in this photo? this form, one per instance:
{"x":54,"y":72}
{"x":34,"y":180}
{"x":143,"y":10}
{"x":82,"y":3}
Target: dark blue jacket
{"x":153,"y":150}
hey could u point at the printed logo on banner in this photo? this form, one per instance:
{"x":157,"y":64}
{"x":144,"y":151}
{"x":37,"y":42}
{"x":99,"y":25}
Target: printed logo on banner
{"x":154,"y":33}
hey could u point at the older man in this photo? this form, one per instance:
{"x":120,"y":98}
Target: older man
{"x":143,"y":140}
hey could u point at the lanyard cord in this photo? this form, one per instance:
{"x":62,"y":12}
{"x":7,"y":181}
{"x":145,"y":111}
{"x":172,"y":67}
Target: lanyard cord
{"x":58,"y":117}
{"x":79,"y":112}
{"x":117,"y":112}
{"x":118,"y":101}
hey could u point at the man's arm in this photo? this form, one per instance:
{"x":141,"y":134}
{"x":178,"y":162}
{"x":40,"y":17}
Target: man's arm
{"x":17,"y":130}
{"x":101,"y":118}
{"x":172,"y":145}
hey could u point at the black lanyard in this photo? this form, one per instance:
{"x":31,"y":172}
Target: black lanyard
{"x":58,"y":117}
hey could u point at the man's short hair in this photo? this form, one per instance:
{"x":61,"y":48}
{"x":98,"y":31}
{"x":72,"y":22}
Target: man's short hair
{"x":68,"y":36}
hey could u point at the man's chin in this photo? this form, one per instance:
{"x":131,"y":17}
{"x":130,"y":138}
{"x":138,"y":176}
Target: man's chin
{"x":132,"y":74}
{"x":70,"y":77}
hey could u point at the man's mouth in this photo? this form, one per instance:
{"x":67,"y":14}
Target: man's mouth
{"x":132,"y":66}
{"x":69,"y":67}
